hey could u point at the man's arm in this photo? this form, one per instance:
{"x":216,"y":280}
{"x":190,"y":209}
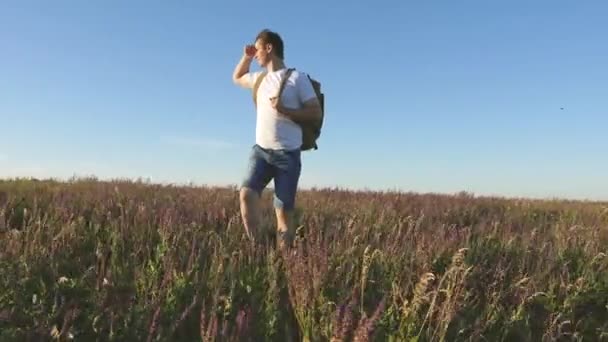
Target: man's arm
{"x":310,"y":111}
{"x":311,"y":107}
{"x":240,"y":75}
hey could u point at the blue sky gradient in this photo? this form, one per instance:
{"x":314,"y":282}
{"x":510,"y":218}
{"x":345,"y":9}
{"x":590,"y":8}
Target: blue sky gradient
{"x":425,"y":97}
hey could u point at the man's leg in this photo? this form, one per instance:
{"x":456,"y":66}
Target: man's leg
{"x":288,"y":167}
{"x":285,"y":226}
{"x":250,"y":212}
{"x":258,"y":176}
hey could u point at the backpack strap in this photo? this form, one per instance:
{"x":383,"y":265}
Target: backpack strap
{"x":260,"y":78}
{"x":284,"y":80}
{"x":256,"y":86}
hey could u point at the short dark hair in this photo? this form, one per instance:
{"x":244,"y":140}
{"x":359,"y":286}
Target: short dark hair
{"x":269,"y":37}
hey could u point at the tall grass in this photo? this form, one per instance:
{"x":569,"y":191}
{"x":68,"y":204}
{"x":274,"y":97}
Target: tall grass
{"x":127,"y":261}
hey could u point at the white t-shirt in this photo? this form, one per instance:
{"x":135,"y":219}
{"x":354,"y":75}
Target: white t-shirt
{"x":274,"y":130}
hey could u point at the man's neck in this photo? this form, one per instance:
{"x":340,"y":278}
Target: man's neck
{"x":275,"y":65}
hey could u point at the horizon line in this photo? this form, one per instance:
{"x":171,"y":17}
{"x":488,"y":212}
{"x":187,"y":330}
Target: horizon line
{"x":355,"y":189}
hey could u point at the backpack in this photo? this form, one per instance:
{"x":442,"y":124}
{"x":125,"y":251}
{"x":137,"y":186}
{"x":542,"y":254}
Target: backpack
{"x":311,"y":130}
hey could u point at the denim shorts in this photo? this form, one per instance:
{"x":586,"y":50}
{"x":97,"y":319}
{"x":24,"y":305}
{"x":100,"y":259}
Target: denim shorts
{"x":284,"y":166}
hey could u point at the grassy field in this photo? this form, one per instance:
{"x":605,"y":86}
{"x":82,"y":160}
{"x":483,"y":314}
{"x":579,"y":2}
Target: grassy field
{"x":125,"y":261}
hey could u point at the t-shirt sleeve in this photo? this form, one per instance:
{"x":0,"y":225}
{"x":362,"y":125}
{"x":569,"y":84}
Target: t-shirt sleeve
{"x":252,"y":77}
{"x":305,"y":88}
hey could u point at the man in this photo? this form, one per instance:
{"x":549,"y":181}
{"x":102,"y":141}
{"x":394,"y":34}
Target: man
{"x":276,"y":153}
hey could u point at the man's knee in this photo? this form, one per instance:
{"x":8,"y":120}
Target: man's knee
{"x":246,"y":195}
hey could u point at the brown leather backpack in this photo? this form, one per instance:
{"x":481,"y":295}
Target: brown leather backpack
{"x":311,"y":130}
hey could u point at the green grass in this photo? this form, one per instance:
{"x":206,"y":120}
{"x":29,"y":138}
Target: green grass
{"x":128,"y":261}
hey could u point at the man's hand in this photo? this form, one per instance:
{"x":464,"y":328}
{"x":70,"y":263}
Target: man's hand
{"x":278,"y":105}
{"x":249,"y":51}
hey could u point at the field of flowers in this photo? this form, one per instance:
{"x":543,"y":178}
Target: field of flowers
{"x":128,"y":261}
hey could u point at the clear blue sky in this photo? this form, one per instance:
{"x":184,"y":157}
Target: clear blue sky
{"x":421,"y":96}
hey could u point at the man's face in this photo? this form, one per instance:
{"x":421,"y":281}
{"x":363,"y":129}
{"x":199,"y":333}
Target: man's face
{"x":262,"y":54}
